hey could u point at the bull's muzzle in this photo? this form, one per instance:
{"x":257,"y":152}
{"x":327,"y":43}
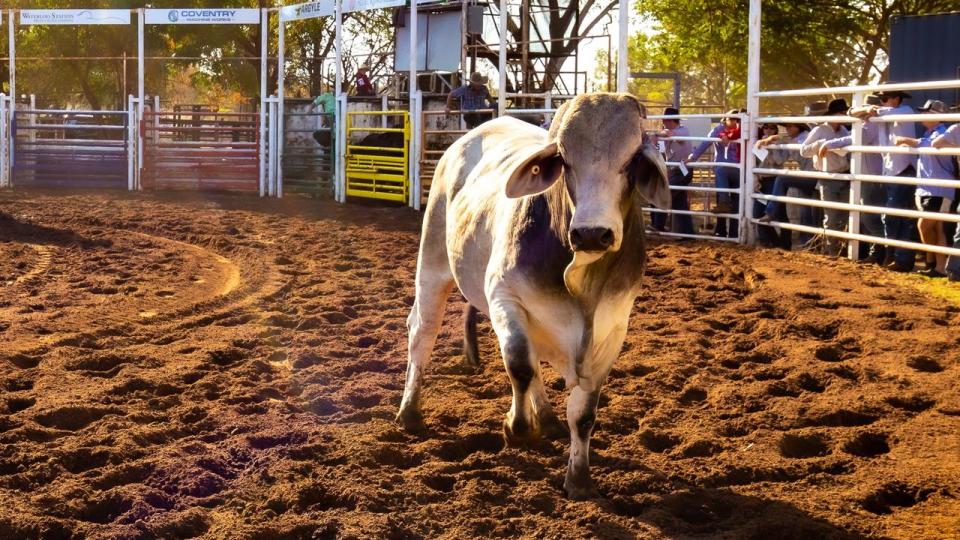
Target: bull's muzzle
{"x":591,"y":238}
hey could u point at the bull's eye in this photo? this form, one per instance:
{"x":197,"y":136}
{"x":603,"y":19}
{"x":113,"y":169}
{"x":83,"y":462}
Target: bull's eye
{"x":535,"y":170}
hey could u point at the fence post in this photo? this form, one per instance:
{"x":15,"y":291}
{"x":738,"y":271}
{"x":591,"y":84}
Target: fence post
{"x":747,"y":230}
{"x":131,"y":149}
{"x":414,"y":149}
{"x":856,"y":167}
{"x":3,"y":140}
{"x":262,"y":146}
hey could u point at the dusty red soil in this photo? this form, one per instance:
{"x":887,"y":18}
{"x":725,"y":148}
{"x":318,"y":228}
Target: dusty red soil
{"x":229,"y":367}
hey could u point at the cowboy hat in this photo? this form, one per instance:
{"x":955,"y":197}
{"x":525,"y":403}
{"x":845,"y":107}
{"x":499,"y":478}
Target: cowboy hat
{"x":893,"y":93}
{"x":477,"y":78}
{"x":934,"y":106}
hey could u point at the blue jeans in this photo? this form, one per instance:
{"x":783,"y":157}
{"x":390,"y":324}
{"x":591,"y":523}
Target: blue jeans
{"x":873,"y":194}
{"x":728,"y":177}
{"x":681,"y":223}
{"x":953,"y":261}
{"x":767,"y":235}
{"x":901,"y":228}
{"x":807,"y":188}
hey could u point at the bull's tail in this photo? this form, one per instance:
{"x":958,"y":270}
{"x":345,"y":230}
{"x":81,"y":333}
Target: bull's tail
{"x":470,"y":348}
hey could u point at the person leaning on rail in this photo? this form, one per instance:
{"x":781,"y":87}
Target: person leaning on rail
{"x":951,"y":139}
{"x":472,"y":97}
{"x":769,"y":236}
{"x":837,"y":191}
{"x":675,"y":151}
{"x":727,"y":150}
{"x":932,"y":198}
{"x":871,"y":193}
{"x":898,"y":195}
{"x":775,"y":210}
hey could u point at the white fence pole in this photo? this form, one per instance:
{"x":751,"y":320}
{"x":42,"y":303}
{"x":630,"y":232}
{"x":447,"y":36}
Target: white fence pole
{"x":623,"y":40}
{"x":264,"y":29}
{"x":281,"y":81}
{"x":502,"y":60}
{"x":414,"y":116}
{"x":748,"y":234}
{"x":3,"y":141}
{"x":856,"y":168}
{"x":141,"y":71}
{"x":131,"y":147}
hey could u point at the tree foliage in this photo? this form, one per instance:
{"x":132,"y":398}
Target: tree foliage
{"x":804,"y":44}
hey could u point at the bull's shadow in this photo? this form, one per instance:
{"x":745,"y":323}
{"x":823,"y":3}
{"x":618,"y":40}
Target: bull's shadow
{"x":14,"y":230}
{"x":718,"y":513}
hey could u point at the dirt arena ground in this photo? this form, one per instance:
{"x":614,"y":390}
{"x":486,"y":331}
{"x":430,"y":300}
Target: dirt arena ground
{"x":180,"y":366}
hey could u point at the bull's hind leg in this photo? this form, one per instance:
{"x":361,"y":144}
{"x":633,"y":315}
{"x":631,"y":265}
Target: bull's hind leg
{"x":423,"y":325}
{"x":433,"y":286}
{"x":510,"y":323}
{"x":550,"y":425}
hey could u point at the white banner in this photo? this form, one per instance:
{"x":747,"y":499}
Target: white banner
{"x":349,"y":6}
{"x":325,"y":8}
{"x":74,"y":16}
{"x":307,"y":10}
{"x":202,"y":16}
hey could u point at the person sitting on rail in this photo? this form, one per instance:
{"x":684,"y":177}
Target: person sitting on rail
{"x":837,"y":191}
{"x":675,"y":151}
{"x":727,"y":150}
{"x":931,"y":198}
{"x":796,"y":134}
{"x":898,"y":195}
{"x":951,"y":139}
{"x":472,"y":97}
{"x":769,"y":236}
{"x":871,"y":193}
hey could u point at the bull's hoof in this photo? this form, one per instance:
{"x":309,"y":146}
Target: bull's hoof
{"x":519,"y":434}
{"x":411,"y":419}
{"x":580,"y":491}
{"x":553,"y":428}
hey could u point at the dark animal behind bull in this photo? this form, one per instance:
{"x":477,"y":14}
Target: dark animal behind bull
{"x":543,"y":232}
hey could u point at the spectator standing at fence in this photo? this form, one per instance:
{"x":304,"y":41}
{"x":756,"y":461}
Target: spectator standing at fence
{"x":951,"y":139}
{"x":726,"y":150}
{"x":362,"y":81}
{"x":471,"y":98}
{"x":769,"y":236}
{"x":775,"y":210}
{"x":675,"y":151}
{"x":898,"y":195}
{"x":931,"y":198}
{"x":837,"y":191}
{"x":871,"y":193}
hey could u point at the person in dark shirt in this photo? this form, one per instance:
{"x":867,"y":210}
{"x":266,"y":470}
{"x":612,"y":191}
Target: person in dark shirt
{"x":472,"y":97}
{"x":363,"y":84}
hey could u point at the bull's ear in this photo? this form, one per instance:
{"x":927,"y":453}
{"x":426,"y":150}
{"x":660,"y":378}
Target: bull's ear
{"x":648,"y":175}
{"x":536,"y":172}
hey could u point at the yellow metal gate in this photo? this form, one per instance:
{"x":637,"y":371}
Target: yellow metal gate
{"x":375,"y":170}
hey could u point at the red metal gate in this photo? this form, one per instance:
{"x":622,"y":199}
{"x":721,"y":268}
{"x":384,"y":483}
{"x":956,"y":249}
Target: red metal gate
{"x":201,"y":150}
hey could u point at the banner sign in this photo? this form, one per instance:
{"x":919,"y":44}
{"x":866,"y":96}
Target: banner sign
{"x":202,"y":16}
{"x":349,"y":6}
{"x":325,"y":8}
{"x":75,"y":16}
{"x":307,"y":10}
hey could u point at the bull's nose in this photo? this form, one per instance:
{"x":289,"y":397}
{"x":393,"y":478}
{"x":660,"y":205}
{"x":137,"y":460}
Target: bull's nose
{"x":591,"y":238}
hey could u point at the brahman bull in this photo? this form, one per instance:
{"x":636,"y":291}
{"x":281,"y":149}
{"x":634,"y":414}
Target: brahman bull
{"x":542,"y":231}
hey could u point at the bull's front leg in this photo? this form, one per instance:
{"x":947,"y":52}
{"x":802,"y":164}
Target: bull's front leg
{"x":510,"y":323}
{"x":581,"y":418}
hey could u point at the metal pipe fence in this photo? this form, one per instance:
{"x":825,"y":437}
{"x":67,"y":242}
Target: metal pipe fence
{"x":856,"y":207}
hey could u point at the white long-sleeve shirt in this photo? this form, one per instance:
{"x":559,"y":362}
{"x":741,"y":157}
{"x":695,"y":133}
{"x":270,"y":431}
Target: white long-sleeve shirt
{"x":810,"y":148}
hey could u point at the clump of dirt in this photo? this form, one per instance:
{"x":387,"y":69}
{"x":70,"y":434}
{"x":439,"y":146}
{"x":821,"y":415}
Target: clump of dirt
{"x":180,"y":366}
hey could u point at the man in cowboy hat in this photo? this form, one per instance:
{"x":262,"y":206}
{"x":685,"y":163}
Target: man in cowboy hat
{"x":932,"y":198}
{"x":871,"y":193}
{"x":472,"y":97}
{"x":675,"y":151}
{"x":796,"y":133}
{"x":363,"y":85}
{"x":830,"y":190}
{"x":898,"y":195}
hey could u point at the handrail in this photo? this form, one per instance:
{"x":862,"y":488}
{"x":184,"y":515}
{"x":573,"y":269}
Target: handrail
{"x":929,"y":85}
{"x":873,"y":178}
{"x":882,"y":149}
